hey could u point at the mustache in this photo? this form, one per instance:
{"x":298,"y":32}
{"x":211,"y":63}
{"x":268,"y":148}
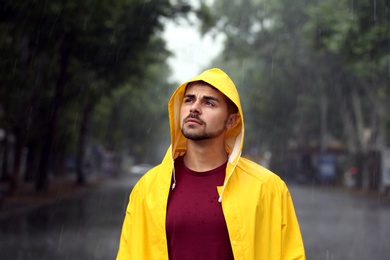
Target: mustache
{"x":193,"y":116}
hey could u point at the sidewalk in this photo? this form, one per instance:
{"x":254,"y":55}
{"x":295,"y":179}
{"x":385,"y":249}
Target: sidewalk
{"x":27,"y":198}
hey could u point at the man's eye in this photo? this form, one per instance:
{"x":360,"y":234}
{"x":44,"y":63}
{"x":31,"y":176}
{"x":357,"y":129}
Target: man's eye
{"x":208,"y":103}
{"x":187,"y":100}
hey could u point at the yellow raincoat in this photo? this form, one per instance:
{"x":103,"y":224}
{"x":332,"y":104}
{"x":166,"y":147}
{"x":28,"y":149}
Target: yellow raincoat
{"x":256,"y":203}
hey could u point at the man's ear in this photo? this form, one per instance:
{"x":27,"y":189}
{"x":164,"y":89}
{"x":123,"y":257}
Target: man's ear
{"x":231,"y":120}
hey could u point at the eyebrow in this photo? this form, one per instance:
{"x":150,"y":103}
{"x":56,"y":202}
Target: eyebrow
{"x":211,"y":98}
{"x":204,"y":97}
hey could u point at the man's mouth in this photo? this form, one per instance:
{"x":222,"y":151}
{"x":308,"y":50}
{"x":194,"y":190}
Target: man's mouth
{"x":193,"y":119}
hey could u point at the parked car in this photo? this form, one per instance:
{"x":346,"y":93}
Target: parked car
{"x":140,"y":169}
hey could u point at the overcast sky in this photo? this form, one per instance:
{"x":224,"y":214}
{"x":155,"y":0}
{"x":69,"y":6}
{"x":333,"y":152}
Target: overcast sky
{"x":191,"y":52}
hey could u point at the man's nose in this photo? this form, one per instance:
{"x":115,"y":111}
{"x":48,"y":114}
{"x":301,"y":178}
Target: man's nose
{"x":195,"y":107}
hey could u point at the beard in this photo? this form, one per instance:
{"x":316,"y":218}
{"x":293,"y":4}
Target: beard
{"x":201,"y":134}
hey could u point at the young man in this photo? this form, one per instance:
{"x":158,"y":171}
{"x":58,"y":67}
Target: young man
{"x":205,"y":201}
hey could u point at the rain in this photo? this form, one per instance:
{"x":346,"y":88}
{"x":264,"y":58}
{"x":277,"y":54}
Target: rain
{"x":84,"y":88}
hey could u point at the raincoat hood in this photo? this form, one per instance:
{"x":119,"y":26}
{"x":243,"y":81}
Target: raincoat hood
{"x":234,"y":137}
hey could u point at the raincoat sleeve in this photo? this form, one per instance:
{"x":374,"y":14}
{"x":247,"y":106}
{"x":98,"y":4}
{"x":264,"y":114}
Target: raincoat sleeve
{"x":133,"y":243}
{"x":292,"y":243}
{"x":143,"y":232}
{"x":125,"y":243}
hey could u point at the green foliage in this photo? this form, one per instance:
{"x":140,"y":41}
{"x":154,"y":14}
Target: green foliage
{"x":266,"y":36}
{"x":357,"y":31}
{"x":135,"y":117}
{"x":299,"y":63}
{"x":59,"y":59}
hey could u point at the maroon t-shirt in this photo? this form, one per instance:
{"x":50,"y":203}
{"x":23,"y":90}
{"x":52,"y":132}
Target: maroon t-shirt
{"x":196,"y":227}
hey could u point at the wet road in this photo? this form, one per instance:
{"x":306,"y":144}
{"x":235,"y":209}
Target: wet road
{"x":338,"y":224}
{"x":335,"y":224}
{"x":80,"y":229}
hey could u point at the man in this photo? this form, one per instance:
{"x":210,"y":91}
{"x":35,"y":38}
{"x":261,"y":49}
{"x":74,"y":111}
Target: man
{"x":205,"y":201}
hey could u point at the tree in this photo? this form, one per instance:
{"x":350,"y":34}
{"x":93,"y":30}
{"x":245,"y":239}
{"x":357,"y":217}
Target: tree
{"x":58,"y":45}
{"x":313,"y":69}
{"x":277,"y":69}
{"x":134,"y":120}
{"x":359,"y":34}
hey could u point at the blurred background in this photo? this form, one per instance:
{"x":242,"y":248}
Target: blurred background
{"x":84,"y":87}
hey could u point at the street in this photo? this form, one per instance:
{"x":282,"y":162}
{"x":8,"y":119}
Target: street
{"x":86,"y":228}
{"x":336,"y":224}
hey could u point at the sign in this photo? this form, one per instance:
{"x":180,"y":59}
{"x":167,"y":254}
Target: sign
{"x":326,"y":167}
{"x":385,"y":168}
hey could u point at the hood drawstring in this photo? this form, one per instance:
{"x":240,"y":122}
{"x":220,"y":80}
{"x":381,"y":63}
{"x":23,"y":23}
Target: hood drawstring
{"x":227,"y":180}
{"x":174,"y":178}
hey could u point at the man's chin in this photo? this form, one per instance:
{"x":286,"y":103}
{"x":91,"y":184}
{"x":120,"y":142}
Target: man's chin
{"x":193,"y":135}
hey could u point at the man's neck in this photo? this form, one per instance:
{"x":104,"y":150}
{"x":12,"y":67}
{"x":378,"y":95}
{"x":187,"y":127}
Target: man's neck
{"x":204,"y":155}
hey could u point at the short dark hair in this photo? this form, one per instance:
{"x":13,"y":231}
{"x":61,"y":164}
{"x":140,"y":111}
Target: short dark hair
{"x":232,"y":108}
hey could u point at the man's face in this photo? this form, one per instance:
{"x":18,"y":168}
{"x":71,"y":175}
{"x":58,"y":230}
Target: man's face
{"x":203,"y":113}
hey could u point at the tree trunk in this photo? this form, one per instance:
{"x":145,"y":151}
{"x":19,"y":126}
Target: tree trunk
{"x":354,"y":132}
{"x":348,"y":126}
{"x":378,"y":120}
{"x":43,"y":169}
{"x":81,"y":144}
{"x":18,"y":152}
{"x":324,"y":120}
{"x":4,"y":165}
{"x":357,"y":111}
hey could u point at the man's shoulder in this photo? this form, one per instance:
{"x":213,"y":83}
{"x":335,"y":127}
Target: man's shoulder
{"x":256,"y":170}
{"x":153,"y":172}
{"x":248,"y":164}
{"x":255,"y":175}
{"x":151,"y":179}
